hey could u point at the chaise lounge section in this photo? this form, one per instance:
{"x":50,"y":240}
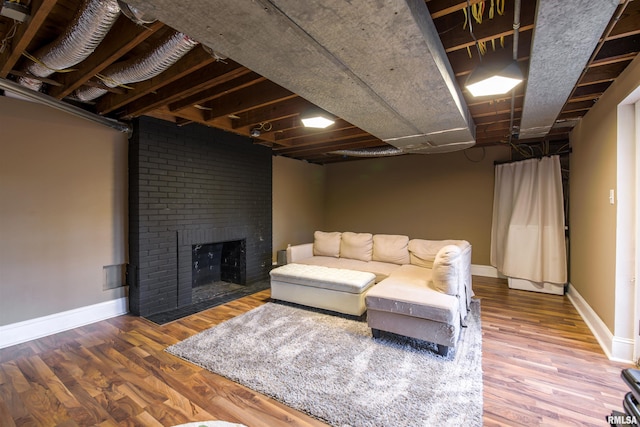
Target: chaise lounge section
{"x":413,"y":287}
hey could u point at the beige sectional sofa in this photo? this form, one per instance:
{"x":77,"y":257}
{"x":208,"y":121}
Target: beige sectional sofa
{"x":412,"y":287}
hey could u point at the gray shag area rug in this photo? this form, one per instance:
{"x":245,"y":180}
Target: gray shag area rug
{"x":331,"y":368}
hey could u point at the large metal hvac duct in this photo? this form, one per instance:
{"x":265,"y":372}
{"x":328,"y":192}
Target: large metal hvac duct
{"x":379,"y":65}
{"x":565,"y":36}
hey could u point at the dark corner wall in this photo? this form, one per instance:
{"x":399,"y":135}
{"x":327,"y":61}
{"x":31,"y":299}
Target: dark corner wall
{"x":191,"y":185}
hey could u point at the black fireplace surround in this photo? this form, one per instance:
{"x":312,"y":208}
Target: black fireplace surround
{"x":191,"y":186}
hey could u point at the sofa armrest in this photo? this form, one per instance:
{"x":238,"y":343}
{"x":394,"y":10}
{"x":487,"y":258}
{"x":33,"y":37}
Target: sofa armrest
{"x":465,"y":283}
{"x":298,"y":252}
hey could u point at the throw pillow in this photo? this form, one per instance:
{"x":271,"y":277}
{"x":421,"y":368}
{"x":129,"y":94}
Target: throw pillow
{"x":423,"y":252}
{"x":326,"y":243}
{"x":445,"y":275}
{"x":391,"y":248}
{"x":356,"y":246}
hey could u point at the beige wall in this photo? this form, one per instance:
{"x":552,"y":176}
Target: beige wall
{"x":63,"y":213}
{"x":592,"y":219}
{"x":438,"y":196}
{"x":298,"y":202}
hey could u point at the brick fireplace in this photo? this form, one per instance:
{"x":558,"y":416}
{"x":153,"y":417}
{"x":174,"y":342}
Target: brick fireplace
{"x":192,"y":186}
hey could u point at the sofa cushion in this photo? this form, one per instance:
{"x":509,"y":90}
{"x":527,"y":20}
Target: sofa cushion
{"x":326,"y":243}
{"x":315,"y":276}
{"x":397,"y":296}
{"x":413,"y":274}
{"x":445,"y":274}
{"x":356,"y":246}
{"x":423,"y":252}
{"x":391,"y":248}
{"x":382,"y":270}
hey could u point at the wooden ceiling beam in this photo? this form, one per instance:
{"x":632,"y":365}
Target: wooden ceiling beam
{"x":344,"y":137}
{"x":255,"y":96}
{"x":490,"y":29}
{"x":594,"y":90}
{"x":301,"y":140}
{"x":302,"y":132}
{"x":286,"y":108}
{"x":274,"y":127}
{"x":25,"y":32}
{"x":471,"y":44}
{"x":463,"y":65}
{"x":31,"y":76}
{"x":571,"y":115}
{"x":603,"y":73}
{"x":619,"y":48}
{"x":440,"y":8}
{"x":485,"y":110}
{"x":496,"y":118}
{"x":571,"y":107}
{"x":233,"y":81}
{"x":324,"y":138}
{"x":485,"y":129}
{"x":627,"y":25}
{"x":186,"y":86}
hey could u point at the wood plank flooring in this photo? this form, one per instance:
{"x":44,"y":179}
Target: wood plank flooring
{"x":541,"y":366}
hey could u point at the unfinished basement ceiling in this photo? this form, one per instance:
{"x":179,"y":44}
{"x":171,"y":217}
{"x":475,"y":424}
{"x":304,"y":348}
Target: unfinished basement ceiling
{"x":344,"y":57}
{"x":392,"y":72}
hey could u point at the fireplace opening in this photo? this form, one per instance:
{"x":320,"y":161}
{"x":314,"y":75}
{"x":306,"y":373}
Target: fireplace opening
{"x":217,"y":267}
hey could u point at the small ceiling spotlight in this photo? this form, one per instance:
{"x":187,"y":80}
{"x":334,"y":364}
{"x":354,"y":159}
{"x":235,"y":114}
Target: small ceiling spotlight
{"x":317,"y":119}
{"x":255,"y":133}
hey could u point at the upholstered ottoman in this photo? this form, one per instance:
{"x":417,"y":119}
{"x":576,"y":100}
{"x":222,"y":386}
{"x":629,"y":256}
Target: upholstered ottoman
{"x":414,"y":310}
{"x":328,"y":288}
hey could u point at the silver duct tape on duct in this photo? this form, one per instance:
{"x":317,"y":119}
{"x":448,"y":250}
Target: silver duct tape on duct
{"x":135,"y":14}
{"x":88,"y":28}
{"x":167,"y":53}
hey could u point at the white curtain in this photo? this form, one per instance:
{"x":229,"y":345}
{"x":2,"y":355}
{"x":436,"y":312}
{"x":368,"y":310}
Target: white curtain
{"x":527,"y":233}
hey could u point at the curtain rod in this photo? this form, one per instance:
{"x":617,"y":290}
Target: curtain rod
{"x":63,"y":106}
{"x":559,"y":153}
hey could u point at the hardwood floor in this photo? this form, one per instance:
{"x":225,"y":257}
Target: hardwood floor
{"x":541,"y":366}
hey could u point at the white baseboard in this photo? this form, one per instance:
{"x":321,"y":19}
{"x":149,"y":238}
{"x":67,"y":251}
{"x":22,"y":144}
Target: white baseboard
{"x":615,"y":348}
{"x":28,"y":330}
{"x":485,"y":271}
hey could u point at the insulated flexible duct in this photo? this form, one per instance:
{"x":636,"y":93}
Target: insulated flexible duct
{"x":90,"y":25}
{"x":167,"y":53}
{"x":371,"y":152}
{"x":392,"y":151}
